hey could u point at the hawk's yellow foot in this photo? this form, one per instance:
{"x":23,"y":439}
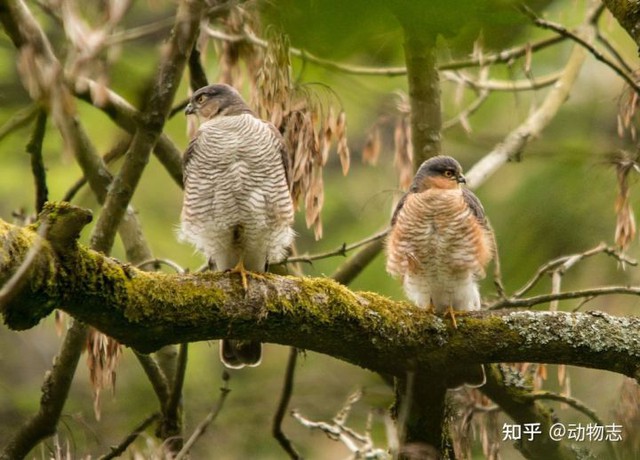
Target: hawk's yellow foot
{"x":452,"y":314}
{"x":244,"y":274}
{"x":239,"y":268}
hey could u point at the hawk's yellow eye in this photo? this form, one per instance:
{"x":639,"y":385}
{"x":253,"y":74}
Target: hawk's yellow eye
{"x":448,"y":173}
{"x":200,"y":99}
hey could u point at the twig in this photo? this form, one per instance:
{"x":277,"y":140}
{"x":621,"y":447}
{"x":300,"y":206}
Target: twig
{"x":55,"y":391}
{"x":577,"y":405}
{"x":341,"y":251}
{"x":502,"y":57}
{"x":545,"y":298}
{"x":116,"y":451}
{"x":462,"y":117}
{"x":22,"y":118}
{"x":566,"y":262}
{"x":285,"y":398}
{"x":505,"y":389}
{"x":172,"y":405}
{"x":139,"y":32}
{"x":182,"y":38}
{"x":359,"y":444}
{"x":308,"y":57}
{"x":352,"y":267}
{"x":127,"y":117}
{"x":34,"y":148}
{"x":115,"y":153}
{"x":155,"y":263}
{"x":156,"y":376}
{"x":202,"y":426}
{"x":516,"y":140}
{"x":614,"y":52}
{"x":559,"y":29}
{"x":197,"y":74}
{"x":503,"y":85}
{"x":505,"y":56}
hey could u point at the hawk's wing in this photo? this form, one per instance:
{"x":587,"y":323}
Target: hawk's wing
{"x":284,"y":154}
{"x":188,"y":154}
{"x":476,"y":207}
{"x":399,"y":206}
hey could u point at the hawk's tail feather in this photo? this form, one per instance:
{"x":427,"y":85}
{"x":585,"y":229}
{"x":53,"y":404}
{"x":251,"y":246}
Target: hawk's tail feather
{"x":236,"y":354}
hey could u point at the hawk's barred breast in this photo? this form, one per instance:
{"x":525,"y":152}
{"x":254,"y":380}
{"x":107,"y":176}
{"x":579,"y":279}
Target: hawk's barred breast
{"x":440,"y":249}
{"x":237,"y":199}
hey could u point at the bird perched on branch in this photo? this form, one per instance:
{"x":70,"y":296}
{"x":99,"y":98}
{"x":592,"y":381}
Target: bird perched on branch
{"x":440,"y":240}
{"x":237,"y":207}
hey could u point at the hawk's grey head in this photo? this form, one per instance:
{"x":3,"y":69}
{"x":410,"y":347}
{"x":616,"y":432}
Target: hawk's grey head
{"x":438,"y":172}
{"x":216,"y":100}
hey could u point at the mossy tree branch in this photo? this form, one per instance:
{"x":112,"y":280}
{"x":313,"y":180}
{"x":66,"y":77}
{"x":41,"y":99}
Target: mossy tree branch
{"x":149,"y":310}
{"x":507,"y":388}
{"x":628,"y":15}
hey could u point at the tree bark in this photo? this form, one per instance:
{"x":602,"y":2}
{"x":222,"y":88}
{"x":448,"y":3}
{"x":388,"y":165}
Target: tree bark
{"x":628,"y":15}
{"x":149,"y":310}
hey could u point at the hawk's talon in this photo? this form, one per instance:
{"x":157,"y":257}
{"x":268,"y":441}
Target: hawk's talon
{"x":452,"y":314}
{"x":244,"y":275}
{"x":239,"y":268}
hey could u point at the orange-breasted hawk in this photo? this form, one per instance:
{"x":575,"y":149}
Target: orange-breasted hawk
{"x":237,"y":207}
{"x":440,"y":240}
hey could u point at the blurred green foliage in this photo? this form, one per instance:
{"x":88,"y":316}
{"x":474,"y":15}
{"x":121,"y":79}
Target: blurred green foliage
{"x":557,"y":200}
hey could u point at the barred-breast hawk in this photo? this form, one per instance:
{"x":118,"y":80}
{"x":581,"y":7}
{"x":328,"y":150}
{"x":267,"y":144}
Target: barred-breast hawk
{"x":440,"y":243}
{"x":237,"y":207}
{"x":440,"y":240}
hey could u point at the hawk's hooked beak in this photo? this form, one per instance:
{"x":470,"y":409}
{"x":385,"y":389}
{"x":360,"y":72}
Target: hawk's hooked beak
{"x":189,"y":109}
{"x":461,"y":179}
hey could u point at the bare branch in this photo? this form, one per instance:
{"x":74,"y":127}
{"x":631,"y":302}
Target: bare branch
{"x":149,"y":310}
{"x":21,"y":118}
{"x":118,"y":450}
{"x":614,"y":52}
{"x":512,"y":302}
{"x":505,"y":56}
{"x":172,"y":407}
{"x":577,"y":405}
{"x":202,"y":426}
{"x":55,"y":391}
{"x":559,"y":29}
{"x":516,"y":140}
{"x":503,"y":85}
{"x":564,"y":263}
{"x":340,"y":251}
{"x":462,"y":117}
{"x":507,"y":387}
{"x":127,"y":117}
{"x":156,"y":376}
{"x":116,"y":38}
{"x":181,"y":41}
{"x":34,"y":148}
{"x":352,"y":267}
{"x":358,"y":444}
{"x":285,"y":398}
{"x":156,"y":263}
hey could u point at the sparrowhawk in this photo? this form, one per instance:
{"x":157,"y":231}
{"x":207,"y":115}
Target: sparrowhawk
{"x":440,"y":240}
{"x":237,"y":207}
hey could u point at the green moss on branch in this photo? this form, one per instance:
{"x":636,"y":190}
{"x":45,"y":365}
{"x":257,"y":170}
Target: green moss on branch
{"x":149,"y":310}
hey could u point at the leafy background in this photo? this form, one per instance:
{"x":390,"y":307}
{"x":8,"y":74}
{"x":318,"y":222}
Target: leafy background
{"x":558,"y":200}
